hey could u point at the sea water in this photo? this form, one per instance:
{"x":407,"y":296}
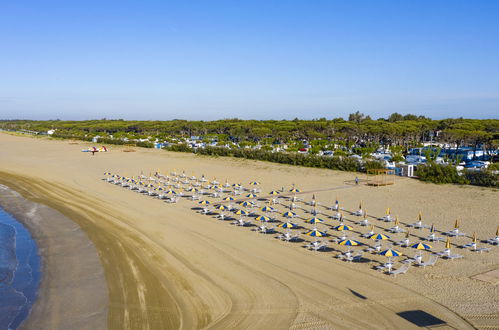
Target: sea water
{"x":19,"y":272}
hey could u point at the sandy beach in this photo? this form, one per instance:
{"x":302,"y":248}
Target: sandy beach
{"x":167,"y":266}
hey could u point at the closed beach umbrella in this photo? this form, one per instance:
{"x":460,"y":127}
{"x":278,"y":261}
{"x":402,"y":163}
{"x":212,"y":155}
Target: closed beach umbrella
{"x":288,"y":214}
{"x":287,"y":225}
{"x":314,"y":220}
{"x":380,"y":237}
{"x":432,"y":228}
{"x":316,"y":233}
{"x":474,"y":237}
{"x":456,"y":224}
{"x":447,"y":243}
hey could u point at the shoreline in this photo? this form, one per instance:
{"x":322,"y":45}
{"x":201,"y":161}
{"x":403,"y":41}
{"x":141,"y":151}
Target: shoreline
{"x":62,"y":246}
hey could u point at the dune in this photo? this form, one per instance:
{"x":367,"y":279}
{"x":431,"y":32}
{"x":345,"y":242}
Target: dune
{"x":168,"y":267}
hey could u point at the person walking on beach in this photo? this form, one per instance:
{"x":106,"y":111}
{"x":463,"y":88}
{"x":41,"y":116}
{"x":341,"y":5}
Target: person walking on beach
{"x":356,"y":180}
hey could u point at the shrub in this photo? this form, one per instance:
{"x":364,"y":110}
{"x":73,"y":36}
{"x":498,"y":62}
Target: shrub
{"x":436,"y":173}
{"x":483,"y":178}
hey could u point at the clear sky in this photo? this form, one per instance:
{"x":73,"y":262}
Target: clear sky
{"x":210,"y":59}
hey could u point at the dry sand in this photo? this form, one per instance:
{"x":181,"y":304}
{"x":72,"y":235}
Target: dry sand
{"x":169,"y":267}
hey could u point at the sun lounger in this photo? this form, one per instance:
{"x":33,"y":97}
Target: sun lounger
{"x":493,"y":241}
{"x":396,"y":229}
{"x":454,"y":232}
{"x":357,"y":257}
{"x":368,"y":234}
{"x":447,"y":255}
{"x":363,"y":222}
{"x":480,"y":250}
{"x":402,"y":270}
{"x":431,"y":262}
{"x":373,"y":249}
{"x":404,"y":243}
{"x":316,"y":246}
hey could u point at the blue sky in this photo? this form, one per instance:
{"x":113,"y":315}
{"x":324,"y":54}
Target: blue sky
{"x":248,"y":59}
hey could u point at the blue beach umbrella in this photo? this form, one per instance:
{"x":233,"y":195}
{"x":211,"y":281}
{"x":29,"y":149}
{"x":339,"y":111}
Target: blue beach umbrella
{"x":288,"y":225}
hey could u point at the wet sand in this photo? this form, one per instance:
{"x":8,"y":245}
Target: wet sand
{"x":73,"y":291}
{"x":167,"y":266}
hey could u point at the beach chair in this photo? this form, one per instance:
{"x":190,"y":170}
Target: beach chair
{"x":266,"y":230}
{"x":241,"y":223}
{"x":317,"y":245}
{"x":368,"y":234}
{"x":288,"y":237}
{"x":336,"y":216}
{"x":375,"y":249}
{"x":454,"y":233}
{"x":402,"y":270}
{"x":357,"y":257}
{"x":432,"y":261}
{"x":480,"y":250}
{"x":493,"y":241}
{"x":404,"y":243}
{"x":363,"y":222}
{"x":433,"y":238}
{"x":387,"y":218}
{"x":448,"y":255}
{"x":384,"y":266}
{"x":396,"y":230}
